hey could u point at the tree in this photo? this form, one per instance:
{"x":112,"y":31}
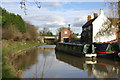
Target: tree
{"x":12,"y":19}
{"x":115,"y":11}
{"x":11,"y":33}
{"x":45,"y":32}
{"x":59,"y":30}
{"x":119,"y":14}
{"x":49,"y":33}
{"x":31,"y":31}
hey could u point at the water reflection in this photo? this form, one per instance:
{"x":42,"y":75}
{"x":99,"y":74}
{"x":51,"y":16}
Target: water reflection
{"x":45,"y":58}
{"x":106,"y":69}
{"x":24,"y":61}
{"x":100,"y":68}
{"x":44,"y":62}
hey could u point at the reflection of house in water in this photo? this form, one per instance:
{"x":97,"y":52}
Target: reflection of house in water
{"x":102,"y":69}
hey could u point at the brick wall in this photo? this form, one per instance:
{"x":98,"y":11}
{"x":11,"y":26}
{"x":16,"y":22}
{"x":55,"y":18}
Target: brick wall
{"x":63,"y":35}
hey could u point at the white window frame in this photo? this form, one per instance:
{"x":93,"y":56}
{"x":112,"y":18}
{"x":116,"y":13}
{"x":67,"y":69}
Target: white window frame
{"x":65,"y":32}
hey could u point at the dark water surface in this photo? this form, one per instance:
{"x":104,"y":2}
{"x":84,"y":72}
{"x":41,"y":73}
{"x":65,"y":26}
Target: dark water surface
{"x":44,"y":62}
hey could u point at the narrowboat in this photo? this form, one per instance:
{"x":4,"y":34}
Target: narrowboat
{"x":106,"y":49}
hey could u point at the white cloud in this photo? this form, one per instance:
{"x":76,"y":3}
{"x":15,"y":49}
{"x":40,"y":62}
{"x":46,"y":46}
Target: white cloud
{"x":78,"y":22}
{"x":76,"y":29}
{"x":52,"y":4}
{"x":51,"y":19}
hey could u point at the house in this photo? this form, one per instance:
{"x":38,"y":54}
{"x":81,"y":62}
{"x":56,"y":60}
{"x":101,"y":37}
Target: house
{"x":65,"y":35}
{"x":98,"y":30}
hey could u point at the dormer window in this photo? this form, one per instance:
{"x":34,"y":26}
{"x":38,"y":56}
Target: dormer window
{"x":65,"y":32}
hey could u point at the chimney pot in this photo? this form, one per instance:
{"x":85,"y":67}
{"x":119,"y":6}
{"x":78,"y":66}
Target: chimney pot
{"x":69,"y":26}
{"x":95,"y":15}
{"x":101,"y":11}
{"x":89,"y":17}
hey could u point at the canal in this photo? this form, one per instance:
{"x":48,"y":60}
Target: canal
{"x":44,"y":62}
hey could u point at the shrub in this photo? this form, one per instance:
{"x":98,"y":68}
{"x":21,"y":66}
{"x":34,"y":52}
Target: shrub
{"x":32,"y":31}
{"x":11,"y":33}
{"x":26,"y":36}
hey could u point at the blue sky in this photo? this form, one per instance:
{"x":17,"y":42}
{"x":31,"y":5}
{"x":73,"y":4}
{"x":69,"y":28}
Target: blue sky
{"x":54,"y":15}
{"x":78,"y":6}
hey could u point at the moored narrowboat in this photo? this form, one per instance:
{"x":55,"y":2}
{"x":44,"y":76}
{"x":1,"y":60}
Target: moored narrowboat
{"x":106,"y":49}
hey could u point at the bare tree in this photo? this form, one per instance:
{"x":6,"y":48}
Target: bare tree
{"x":115,"y":20}
{"x":114,"y":11}
{"x":31,"y":32}
{"x":60,"y":29}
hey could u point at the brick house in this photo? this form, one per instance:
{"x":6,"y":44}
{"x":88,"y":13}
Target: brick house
{"x":65,"y":35}
{"x":92,"y":29}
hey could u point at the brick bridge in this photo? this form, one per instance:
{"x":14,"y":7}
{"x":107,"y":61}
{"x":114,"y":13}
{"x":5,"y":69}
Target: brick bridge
{"x":46,"y":39}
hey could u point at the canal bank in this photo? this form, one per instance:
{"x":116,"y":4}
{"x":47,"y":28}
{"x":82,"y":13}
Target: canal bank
{"x":10,"y":51}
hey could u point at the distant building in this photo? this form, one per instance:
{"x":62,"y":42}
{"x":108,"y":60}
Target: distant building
{"x":78,"y":37}
{"x":65,"y":35}
{"x":98,"y":29}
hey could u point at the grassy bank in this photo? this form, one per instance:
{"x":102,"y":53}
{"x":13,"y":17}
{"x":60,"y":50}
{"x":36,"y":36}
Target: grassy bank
{"x":9,"y":50}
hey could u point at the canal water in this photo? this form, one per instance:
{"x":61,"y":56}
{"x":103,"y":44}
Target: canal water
{"x":44,"y":62}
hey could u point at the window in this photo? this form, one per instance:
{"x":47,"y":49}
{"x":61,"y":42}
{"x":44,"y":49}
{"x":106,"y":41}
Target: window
{"x":84,"y":29}
{"x":89,"y":27}
{"x":65,"y":32}
{"x":89,"y":34}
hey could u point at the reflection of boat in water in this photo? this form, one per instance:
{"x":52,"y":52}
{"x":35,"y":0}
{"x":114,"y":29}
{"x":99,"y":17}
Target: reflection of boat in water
{"x":101,"y":68}
{"x":72,"y":60}
{"x":107,"y":69}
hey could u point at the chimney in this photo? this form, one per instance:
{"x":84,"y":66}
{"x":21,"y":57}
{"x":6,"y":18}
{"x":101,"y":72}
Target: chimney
{"x":101,"y":11}
{"x":95,"y":15}
{"x":89,"y":17}
{"x":68,"y":26}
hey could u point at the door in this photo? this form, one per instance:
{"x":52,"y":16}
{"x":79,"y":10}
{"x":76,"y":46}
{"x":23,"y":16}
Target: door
{"x":66,"y":39}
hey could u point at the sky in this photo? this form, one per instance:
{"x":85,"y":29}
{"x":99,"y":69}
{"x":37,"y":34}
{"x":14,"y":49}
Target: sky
{"x":54,"y":15}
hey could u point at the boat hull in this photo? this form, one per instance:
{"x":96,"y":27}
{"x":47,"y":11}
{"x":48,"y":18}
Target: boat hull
{"x":105,"y":50}
{"x":113,"y":55}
